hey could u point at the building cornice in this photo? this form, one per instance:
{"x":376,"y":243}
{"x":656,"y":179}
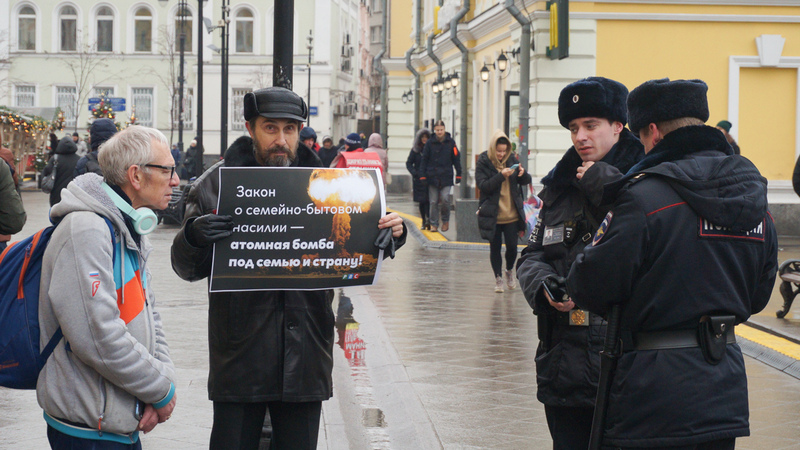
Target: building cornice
{"x":685,"y":17}
{"x":699,"y":2}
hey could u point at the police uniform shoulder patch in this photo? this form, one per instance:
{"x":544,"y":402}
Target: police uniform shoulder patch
{"x":707,"y":230}
{"x":603,"y":228}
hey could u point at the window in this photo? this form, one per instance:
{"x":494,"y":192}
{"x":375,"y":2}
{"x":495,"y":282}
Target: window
{"x":188,"y":115}
{"x":102,"y":90}
{"x":24,"y":96}
{"x":105,"y":29}
{"x":375,"y":35}
{"x":244,"y":31}
{"x":143,"y":106}
{"x":143,"y":31}
{"x":376,"y":6}
{"x":69,"y":29}
{"x":183,"y":23}
{"x":237,"y":108}
{"x":67,"y":100}
{"x":26,"y":39}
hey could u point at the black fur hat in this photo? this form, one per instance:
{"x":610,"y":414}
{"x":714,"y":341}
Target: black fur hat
{"x":661,"y":100}
{"x":593,"y":97}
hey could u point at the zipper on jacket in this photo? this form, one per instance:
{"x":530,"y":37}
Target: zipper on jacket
{"x":105,"y":404}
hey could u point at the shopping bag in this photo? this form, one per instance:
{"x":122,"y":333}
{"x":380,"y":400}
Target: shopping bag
{"x":531,"y":208}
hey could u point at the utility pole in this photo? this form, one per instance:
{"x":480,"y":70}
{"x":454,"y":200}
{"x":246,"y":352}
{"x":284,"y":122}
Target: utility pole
{"x":223,"y":129}
{"x":282,"y":64}
{"x":310,"y":47}
{"x":181,"y":78}
{"x":199,"y":87}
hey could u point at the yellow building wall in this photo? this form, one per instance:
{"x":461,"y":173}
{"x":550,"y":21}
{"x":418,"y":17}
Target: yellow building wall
{"x":633,"y":52}
{"x":400,"y":27}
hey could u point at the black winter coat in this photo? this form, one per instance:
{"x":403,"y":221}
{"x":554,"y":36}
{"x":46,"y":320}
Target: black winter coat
{"x":263,"y":345}
{"x":420,"y":189}
{"x":438,"y":160}
{"x":65,"y":169}
{"x":567,"y":359}
{"x":489,"y":181}
{"x":690,"y":237}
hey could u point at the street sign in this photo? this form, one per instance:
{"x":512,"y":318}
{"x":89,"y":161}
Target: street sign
{"x":117,"y":103}
{"x":312,"y":110}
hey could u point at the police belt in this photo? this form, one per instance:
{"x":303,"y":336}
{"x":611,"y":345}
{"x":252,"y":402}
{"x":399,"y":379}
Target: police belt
{"x":578,"y":317}
{"x":664,"y":340}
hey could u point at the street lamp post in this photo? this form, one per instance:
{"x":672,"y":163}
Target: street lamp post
{"x":282,"y":64}
{"x":310,"y":47}
{"x":181,"y":78}
{"x":224,"y":75}
{"x":199,"y":93}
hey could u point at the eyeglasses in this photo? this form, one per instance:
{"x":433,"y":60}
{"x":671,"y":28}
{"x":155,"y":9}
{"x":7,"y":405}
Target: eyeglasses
{"x":157,"y":166}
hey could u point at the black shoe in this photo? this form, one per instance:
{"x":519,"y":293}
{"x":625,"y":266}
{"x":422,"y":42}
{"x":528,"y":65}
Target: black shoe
{"x":426,"y":225}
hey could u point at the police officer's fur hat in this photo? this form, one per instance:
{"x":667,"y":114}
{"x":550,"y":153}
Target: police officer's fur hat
{"x":662,"y":100}
{"x":593,"y":97}
{"x":275,"y":103}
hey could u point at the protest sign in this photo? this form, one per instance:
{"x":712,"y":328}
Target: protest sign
{"x":298,"y":228}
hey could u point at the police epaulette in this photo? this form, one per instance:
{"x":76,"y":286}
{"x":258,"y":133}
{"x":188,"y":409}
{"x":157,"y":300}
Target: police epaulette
{"x":636,"y":178}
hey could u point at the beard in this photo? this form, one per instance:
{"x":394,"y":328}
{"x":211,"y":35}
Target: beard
{"x":275,"y":156}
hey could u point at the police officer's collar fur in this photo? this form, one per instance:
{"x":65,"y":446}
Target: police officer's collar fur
{"x":240,"y":154}
{"x":623,"y":155}
{"x":681,"y":142}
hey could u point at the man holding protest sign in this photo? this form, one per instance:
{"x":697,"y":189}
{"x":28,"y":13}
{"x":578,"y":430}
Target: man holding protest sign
{"x":268,"y":349}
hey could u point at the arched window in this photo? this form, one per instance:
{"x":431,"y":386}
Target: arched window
{"x":105,"y":29}
{"x":183,"y":24}
{"x":244,"y":31}
{"x":68,"y":22}
{"x":143,"y":30}
{"x":26,"y":39}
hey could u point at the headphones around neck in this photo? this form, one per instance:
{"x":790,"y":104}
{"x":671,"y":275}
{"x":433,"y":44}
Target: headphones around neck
{"x":144,"y":219}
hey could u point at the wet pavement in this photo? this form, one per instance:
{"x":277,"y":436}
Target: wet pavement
{"x":430,"y":357}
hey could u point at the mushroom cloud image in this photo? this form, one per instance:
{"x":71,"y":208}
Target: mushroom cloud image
{"x":341,"y":188}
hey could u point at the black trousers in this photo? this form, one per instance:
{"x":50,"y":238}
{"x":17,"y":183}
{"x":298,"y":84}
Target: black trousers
{"x":509,"y":233}
{"x":238,"y":425}
{"x":569,"y":427}
{"x":722,"y":444}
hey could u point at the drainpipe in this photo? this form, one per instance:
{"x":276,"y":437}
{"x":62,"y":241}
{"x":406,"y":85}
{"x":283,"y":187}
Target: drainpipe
{"x":464,"y":59}
{"x":438,"y":76}
{"x":416,"y":87}
{"x":376,"y":61}
{"x":524,"y":82}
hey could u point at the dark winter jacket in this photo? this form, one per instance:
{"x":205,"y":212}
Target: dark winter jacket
{"x":438,"y":160}
{"x":100,"y":131}
{"x":263,"y":345}
{"x":490,"y":181}
{"x":567,"y":360}
{"x":12,"y":214}
{"x":689,"y":235}
{"x":413,"y":163}
{"x":326,"y":155}
{"x":65,"y":169}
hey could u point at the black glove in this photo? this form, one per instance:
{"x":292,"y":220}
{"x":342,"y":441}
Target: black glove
{"x":385,"y":241}
{"x":205,"y":230}
{"x":556,"y":288}
{"x":458,"y":179}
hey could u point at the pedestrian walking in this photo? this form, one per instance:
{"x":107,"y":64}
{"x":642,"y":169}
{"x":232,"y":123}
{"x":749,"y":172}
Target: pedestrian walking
{"x":499,"y":177}
{"x":352,"y":143}
{"x":83,"y":149}
{"x":100,"y":131}
{"x":327,"y":152}
{"x":376,"y":146}
{"x":12,"y":212}
{"x":192,"y":163}
{"x":63,"y":163}
{"x":111,"y":375}
{"x":257,"y":361}
{"x":567,"y":359}
{"x":725,"y":127}
{"x":309,"y":138}
{"x":439,"y":156}
{"x":688,"y":250}
{"x":419,"y":189}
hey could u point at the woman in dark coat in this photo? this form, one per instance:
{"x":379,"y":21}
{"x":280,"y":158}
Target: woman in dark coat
{"x":500,"y":215}
{"x":420,"y":188}
{"x":63,"y":162}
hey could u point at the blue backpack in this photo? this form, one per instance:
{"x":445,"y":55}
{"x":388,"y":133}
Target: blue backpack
{"x":20,"y":274}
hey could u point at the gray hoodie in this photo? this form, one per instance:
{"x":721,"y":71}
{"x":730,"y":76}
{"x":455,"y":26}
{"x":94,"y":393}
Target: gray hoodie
{"x":113,"y":350}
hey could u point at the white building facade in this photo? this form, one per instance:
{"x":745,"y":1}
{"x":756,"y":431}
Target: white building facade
{"x":61,"y":53}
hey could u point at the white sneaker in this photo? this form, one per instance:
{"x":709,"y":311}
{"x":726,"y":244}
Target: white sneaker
{"x":511,"y":282}
{"x":498,"y":285}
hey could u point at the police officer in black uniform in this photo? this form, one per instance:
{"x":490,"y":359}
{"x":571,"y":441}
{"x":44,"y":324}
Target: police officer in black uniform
{"x":567,"y":361}
{"x":688,"y":249}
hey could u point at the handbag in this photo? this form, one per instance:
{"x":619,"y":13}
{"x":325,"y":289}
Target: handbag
{"x":531,"y":208}
{"x":50,"y":180}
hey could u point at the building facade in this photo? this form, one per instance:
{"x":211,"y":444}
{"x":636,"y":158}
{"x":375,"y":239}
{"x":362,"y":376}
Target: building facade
{"x":747,"y":51}
{"x":56,"y":53}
